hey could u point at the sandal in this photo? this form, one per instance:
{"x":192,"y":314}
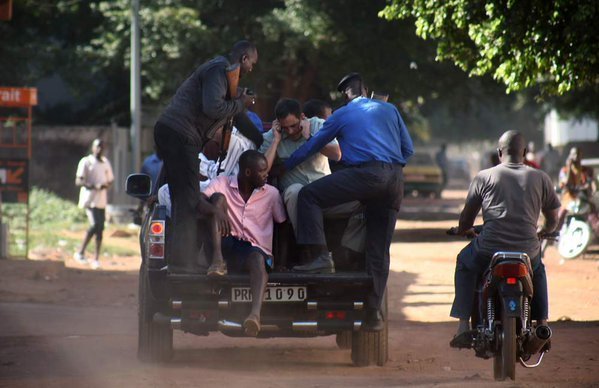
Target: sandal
{"x":464,"y":340}
{"x":251,"y":325}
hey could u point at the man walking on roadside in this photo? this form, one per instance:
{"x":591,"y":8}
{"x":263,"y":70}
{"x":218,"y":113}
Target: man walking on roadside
{"x":94,"y":176}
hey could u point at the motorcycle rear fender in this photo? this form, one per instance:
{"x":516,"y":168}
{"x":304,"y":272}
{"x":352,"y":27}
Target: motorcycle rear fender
{"x":511,"y":298}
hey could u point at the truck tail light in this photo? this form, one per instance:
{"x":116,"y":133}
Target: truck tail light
{"x":336,"y":315}
{"x":157,"y":250}
{"x":157,"y":228}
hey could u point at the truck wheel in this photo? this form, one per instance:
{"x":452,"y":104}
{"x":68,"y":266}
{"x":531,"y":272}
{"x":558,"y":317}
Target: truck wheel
{"x":368,"y":348}
{"x":155,"y":341}
{"x":344,"y":340}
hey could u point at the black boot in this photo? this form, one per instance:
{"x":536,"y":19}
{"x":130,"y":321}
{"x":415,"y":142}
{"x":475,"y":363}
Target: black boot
{"x":374,"y":320}
{"x":322,"y":264}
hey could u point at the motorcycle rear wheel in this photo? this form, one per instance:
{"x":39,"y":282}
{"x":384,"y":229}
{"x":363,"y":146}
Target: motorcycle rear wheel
{"x":504,"y":362}
{"x":574,"y":239}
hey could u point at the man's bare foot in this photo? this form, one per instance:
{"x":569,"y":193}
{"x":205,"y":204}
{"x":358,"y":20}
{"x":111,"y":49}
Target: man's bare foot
{"x":251,"y":325}
{"x":217,"y":269}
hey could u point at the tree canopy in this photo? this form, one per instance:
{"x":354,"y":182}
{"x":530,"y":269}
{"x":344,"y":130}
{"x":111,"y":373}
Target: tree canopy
{"x":550,"y":44}
{"x":305,"y":47}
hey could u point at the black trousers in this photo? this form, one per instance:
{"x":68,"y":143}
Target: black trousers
{"x":379,"y":186}
{"x":183,"y":177}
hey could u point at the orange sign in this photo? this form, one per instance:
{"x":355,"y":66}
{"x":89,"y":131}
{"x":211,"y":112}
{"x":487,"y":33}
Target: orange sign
{"x":14,"y":180}
{"x":18,"y":97}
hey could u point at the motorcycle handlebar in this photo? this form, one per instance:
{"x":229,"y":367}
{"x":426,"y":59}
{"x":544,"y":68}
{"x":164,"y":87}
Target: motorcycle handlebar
{"x":453,"y":231}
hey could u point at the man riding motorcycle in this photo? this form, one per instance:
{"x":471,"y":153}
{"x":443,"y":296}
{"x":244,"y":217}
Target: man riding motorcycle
{"x":511,"y":196}
{"x":574,"y":178}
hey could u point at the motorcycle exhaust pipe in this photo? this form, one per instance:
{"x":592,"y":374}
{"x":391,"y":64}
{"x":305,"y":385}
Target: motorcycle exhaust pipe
{"x":537,"y":339}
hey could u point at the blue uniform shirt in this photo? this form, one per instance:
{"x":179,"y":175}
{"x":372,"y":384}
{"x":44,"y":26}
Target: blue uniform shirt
{"x":367,"y":130}
{"x":151,"y":166}
{"x":256,"y":120}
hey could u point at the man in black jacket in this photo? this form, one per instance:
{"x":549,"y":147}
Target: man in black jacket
{"x":199,"y":108}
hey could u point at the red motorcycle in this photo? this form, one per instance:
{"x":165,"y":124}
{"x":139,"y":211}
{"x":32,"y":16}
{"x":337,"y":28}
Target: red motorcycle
{"x":501,"y":324}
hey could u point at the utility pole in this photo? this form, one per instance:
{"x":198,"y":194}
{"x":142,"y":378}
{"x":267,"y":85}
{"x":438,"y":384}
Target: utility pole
{"x":135,"y":88}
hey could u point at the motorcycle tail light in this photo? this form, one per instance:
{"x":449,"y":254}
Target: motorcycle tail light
{"x":157,"y":250}
{"x":510,"y":270}
{"x":511,"y":280}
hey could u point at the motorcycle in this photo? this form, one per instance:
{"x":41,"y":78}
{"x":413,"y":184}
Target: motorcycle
{"x":580,"y":226}
{"x":501,"y":318}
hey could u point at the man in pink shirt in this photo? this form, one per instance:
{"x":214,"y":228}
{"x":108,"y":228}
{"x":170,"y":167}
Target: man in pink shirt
{"x":251,"y":206}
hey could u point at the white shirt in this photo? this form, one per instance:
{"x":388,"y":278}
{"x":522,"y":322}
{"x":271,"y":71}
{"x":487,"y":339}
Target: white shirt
{"x":94,"y":172}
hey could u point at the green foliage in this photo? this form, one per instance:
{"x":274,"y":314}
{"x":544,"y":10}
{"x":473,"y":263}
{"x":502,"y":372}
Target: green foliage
{"x":552,"y":44}
{"x":305,"y":47}
{"x":49,"y":218}
{"x":47,"y":209}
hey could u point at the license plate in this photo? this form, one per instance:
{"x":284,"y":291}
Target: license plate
{"x":272,"y":294}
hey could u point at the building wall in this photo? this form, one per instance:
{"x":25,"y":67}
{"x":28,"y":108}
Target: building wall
{"x":56,"y":151}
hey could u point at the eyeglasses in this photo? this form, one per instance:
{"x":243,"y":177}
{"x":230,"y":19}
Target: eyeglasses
{"x":293,"y":126}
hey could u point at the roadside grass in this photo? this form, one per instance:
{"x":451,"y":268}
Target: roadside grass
{"x":55,"y":223}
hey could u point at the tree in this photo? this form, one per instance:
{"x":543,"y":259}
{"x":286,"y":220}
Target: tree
{"x":305,"y":47}
{"x":550,"y":44}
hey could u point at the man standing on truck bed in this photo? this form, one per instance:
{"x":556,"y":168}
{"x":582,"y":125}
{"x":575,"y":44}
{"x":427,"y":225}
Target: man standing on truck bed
{"x":375,"y":145}
{"x":251,"y":206}
{"x":201,"y":105}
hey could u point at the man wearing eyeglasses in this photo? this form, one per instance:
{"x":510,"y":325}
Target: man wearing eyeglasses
{"x":289,"y":132}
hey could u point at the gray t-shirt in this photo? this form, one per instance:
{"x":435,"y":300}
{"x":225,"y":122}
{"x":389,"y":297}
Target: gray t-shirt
{"x":512,"y":196}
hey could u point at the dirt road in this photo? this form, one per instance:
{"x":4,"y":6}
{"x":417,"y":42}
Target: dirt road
{"x":65,"y":325}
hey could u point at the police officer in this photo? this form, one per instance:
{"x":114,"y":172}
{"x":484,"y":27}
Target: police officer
{"x":375,"y":145}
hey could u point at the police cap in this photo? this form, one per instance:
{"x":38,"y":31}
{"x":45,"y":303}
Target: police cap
{"x":347,"y":79}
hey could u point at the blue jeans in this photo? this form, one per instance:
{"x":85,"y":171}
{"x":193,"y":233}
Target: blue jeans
{"x":471,"y":265}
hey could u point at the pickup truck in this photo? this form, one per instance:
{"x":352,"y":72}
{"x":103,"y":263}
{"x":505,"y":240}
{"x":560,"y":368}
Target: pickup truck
{"x":295,"y":304}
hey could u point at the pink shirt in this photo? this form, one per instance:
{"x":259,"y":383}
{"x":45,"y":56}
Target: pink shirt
{"x":251,"y":221}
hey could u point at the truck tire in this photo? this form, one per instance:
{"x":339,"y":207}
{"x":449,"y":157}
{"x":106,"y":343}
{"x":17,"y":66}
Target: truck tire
{"x":370,"y":347}
{"x":155,"y":341}
{"x":344,"y":339}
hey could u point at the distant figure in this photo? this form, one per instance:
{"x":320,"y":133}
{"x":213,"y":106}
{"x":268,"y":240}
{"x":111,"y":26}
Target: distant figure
{"x":152,"y":166}
{"x":317,"y":108}
{"x":550,"y":162}
{"x":94,"y":176}
{"x":441,"y":159}
{"x":574,"y":179}
{"x":531,"y":156}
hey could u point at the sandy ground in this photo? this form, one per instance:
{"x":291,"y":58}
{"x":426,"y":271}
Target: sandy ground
{"x":62,"y":324}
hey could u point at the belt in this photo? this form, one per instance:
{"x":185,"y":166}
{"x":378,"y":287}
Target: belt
{"x":376,"y":163}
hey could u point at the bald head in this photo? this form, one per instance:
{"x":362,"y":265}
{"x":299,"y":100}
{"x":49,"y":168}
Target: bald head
{"x":512,"y":147}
